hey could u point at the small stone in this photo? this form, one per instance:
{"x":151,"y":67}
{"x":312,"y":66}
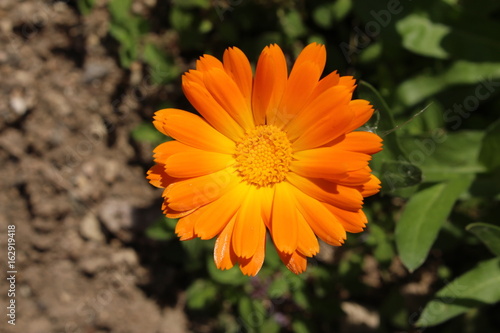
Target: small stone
{"x":90,"y":229}
{"x":18,"y":103}
{"x":126,"y":256}
{"x":92,"y":265}
{"x":116,"y":215}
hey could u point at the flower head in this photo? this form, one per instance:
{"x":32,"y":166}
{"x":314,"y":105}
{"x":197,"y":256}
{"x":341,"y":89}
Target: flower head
{"x":271,"y":152}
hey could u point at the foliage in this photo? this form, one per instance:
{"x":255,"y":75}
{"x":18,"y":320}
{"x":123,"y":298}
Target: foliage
{"x":434,"y":78}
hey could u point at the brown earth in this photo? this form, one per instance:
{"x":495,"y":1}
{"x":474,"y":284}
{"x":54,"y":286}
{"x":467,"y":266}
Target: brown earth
{"x":72,"y":180}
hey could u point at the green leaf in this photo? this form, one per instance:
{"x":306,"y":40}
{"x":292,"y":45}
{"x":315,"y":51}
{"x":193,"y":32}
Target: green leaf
{"x":490,"y":147}
{"x":200,"y":294}
{"x":146,"y":132}
{"x":442,"y":156}
{"x":231,"y":276}
{"x":181,"y":19}
{"x":379,"y":238}
{"x":418,"y":88}
{"x":476,"y":287}
{"x":252,"y":313}
{"x":341,"y":8}
{"x":192,"y":3}
{"x":422,"y":36}
{"x":120,"y":9}
{"x":162,"y":68}
{"x":278,"y":288}
{"x":323,"y":16}
{"x":300,"y":326}
{"x":85,"y":6}
{"x":423,"y":217}
{"x":162,"y":229}
{"x":489,"y":234}
{"x":292,"y":24}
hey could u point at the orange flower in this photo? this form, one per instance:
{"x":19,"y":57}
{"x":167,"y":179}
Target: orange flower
{"x":273,"y":152}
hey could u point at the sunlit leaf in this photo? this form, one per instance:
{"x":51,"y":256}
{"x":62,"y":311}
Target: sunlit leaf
{"x":423,"y":217}
{"x":476,"y":287}
{"x":442,"y":156}
{"x":418,"y":88}
{"x":422,"y":36}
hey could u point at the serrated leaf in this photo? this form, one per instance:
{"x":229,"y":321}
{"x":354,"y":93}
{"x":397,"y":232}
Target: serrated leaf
{"x":490,"y":147}
{"x":423,"y":217}
{"x":489,"y":234}
{"x":476,"y":287}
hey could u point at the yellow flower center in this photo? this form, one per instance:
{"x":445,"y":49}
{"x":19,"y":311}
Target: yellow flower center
{"x":263,"y":157}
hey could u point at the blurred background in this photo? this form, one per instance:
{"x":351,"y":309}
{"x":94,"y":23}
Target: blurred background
{"x":79,"y":83}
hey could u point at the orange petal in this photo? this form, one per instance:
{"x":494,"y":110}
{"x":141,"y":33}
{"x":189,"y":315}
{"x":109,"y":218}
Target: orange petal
{"x":157,"y":175}
{"x":185,"y":228}
{"x":355,"y":178}
{"x":163,"y":151}
{"x":351,"y":221}
{"x":370,"y":188}
{"x":284,"y":219}
{"x":324,"y":84}
{"x":173,"y":214}
{"x":192,"y":130}
{"x":348,"y":81}
{"x":266,"y":195}
{"x":195,"y":192}
{"x":320,"y":219}
{"x":249,"y":227}
{"x":208,"y":62}
{"x":228,"y":95}
{"x":338,"y":195}
{"x":196,"y":163}
{"x":303,"y":78}
{"x":253,"y":265}
{"x":207,"y":106}
{"x":327,"y":162}
{"x":307,"y":242}
{"x":315,"y":53}
{"x":362,"y":142}
{"x":211,"y":219}
{"x":238,"y":67}
{"x":224,"y":257}
{"x":329,"y":108}
{"x":295,"y":262}
{"x":362,"y":111}
{"x":269,"y":83}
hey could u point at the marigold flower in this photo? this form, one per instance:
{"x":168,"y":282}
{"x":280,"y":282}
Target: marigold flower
{"x":272,"y":152}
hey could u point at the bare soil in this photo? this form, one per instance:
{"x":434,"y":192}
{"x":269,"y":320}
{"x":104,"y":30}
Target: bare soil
{"x":72,"y":180}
